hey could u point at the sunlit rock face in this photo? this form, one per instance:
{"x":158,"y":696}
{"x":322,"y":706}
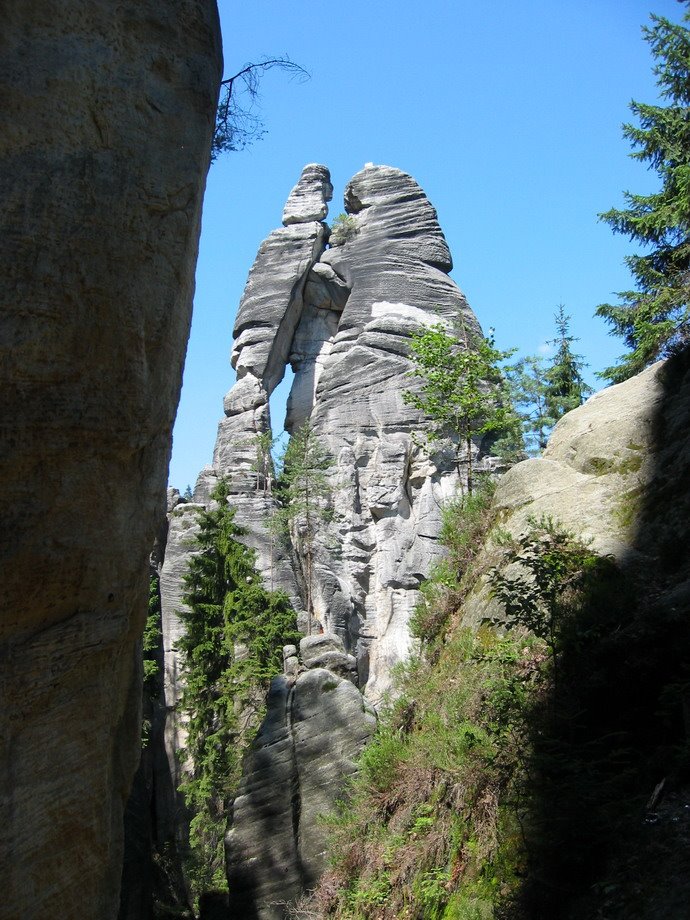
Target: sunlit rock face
{"x":107,"y":114}
{"x":387,"y":493}
{"x":342,"y":316}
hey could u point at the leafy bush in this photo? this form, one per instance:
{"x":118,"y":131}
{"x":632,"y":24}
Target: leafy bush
{"x":343,"y":229}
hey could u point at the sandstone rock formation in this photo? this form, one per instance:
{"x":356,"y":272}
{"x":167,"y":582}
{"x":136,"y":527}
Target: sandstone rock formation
{"x":107,"y":115}
{"x":342,"y":316}
{"x":610,"y":474}
{"x":316,"y":724}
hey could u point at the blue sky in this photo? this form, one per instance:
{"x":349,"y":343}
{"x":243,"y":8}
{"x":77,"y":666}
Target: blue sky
{"x":507,"y":113}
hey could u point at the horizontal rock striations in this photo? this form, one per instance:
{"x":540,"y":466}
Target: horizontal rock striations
{"x":342,"y":315}
{"x":107,"y":115}
{"x":340,"y":308}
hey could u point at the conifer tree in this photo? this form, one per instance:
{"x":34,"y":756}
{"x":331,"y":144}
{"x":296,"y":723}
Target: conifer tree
{"x":565,"y":388}
{"x":305,"y":493}
{"x":654,"y":319}
{"x":234,"y":631}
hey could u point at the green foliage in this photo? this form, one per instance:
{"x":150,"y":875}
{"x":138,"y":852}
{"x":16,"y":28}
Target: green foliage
{"x":543,"y":393}
{"x":263,"y":443}
{"x":304,"y":495}
{"x":654,"y":319}
{"x":466,"y":520}
{"x":343,"y":229}
{"x":461,"y":388}
{"x":540,"y":578}
{"x":234,"y":631}
{"x":565,"y":388}
{"x":152,"y":636}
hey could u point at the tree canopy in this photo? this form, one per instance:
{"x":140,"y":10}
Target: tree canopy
{"x":461,"y":388}
{"x":653,"y":319}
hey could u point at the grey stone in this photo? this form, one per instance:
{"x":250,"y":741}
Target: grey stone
{"x":308,"y":199}
{"x":296,"y":771}
{"x":106,"y":119}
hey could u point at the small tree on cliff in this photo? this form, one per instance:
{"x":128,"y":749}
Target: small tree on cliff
{"x":305,"y":494}
{"x":237,"y":124}
{"x":234,"y":631}
{"x":654,"y":319}
{"x":461,"y":388}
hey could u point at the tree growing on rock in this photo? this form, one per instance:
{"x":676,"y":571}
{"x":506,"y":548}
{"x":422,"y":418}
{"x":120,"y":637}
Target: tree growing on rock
{"x":234,"y":631}
{"x":305,"y":493}
{"x":461,"y":391}
{"x":237,"y":124}
{"x":654,"y":319}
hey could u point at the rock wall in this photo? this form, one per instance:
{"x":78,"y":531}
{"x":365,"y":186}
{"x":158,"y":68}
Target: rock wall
{"x":316,"y":725}
{"x":342,"y":315}
{"x":107,"y":114}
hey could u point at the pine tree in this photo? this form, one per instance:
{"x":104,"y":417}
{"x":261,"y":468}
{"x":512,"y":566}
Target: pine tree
{"x":305,"y":494}
{"x":461,"y":389}
{"x":654,"y":319}
{"x":565,"y":388}
{"x":234,"y":631}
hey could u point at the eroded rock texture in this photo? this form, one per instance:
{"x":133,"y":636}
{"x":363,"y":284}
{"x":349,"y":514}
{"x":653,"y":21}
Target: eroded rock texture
{"x":316,"y":725}
{"x":342,"y":317}
{"x":612,"y":475}
{"x":107,"y":114}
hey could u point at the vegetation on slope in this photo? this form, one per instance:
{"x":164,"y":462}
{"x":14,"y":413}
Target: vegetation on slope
{"x":511,"y":778}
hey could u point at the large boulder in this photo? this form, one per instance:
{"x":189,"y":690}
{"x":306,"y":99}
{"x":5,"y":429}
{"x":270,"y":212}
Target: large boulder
{"x":316,"y":724}
{"x":107,"y":115}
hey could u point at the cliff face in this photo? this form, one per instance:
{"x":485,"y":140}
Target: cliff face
{"x":340,"y":309}
{"x":107,"y":115}
{"x":342,"y":316}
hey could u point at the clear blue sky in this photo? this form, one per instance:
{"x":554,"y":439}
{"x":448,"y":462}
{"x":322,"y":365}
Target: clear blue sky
{"x":507,"y":113}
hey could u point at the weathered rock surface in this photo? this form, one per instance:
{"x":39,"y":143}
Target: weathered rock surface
{"x":107,"y":113}
{"x":342,"y":317}
{"x":609,"y":468}
{"x":316,"y":724}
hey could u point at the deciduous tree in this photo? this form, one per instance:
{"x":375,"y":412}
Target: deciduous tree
{"x":461,"y":390}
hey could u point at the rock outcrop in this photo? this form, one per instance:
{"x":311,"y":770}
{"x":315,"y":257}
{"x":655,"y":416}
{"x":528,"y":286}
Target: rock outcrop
{"x":342,"y":316}
{"x":612,"y":474}
{"x":107,"y":116}
{"x":341,"y":313}
{"x":316,"y":725}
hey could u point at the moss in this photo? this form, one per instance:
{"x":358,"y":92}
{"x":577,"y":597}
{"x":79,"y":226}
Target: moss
{"x":603,"y":466}
{"x":628,"y":508}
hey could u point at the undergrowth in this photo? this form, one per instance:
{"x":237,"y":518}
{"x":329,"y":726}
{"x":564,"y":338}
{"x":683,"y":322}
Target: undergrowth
{"x":512,"y":762}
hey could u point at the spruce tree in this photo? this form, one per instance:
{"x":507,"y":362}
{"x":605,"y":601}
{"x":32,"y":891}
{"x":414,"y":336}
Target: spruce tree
{"x":234,"y":631}
{"x":654,"y":319}
{"x":565,"y":388}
